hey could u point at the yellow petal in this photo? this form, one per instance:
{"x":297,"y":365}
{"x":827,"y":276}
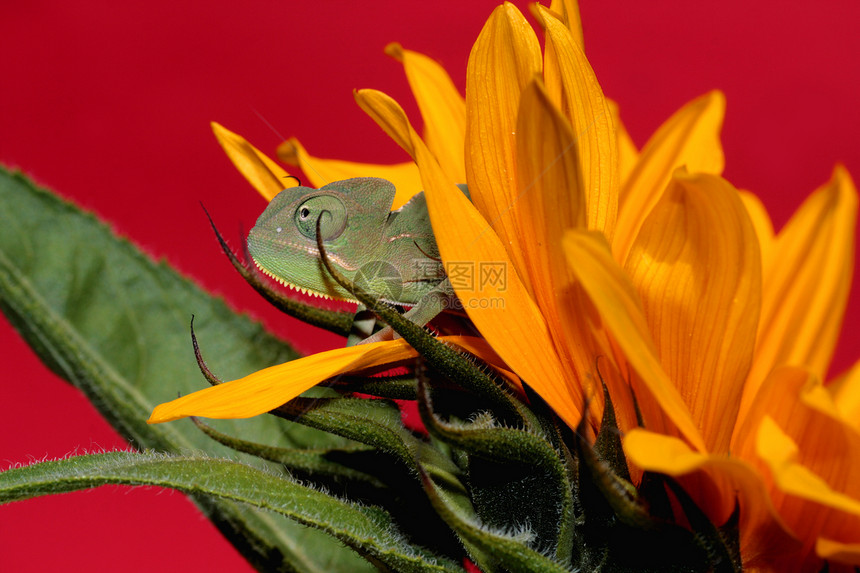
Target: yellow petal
{"x":504,"y":59}
{"x":480,"y":270}
{"x":829,"y":447}
{"x":483,"y":276}
{"x":321,"y":172}
{"x":267,"y":389}
{"x":846,"y":395}
{"x":847,"y":553}
{"x":271,"y":387}
{"x":500,"y":307}
{"x":697,"y":268}
{"x":569,"y":12}
{"x":691,"y":138}
{"x":442,"y":108}
{"x":619,"y":306}
{"x":573,"y":88}
{"x":806,"y":286}
{"x":267,"y":177}
{"x":832,"y":514}
{"x":388,"y":115}
{"x":552,"y":194}
{"x":628,"y":155}
{"x":796,"y":436}
{"x":714,"y":482}
{"x":552,"y":201}
{"x":762,"y":224}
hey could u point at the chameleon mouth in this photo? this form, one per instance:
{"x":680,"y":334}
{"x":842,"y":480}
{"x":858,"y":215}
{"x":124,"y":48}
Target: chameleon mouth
{"x":298,"y":288}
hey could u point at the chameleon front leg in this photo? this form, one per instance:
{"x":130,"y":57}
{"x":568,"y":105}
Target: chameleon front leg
{"x":440,"y":298}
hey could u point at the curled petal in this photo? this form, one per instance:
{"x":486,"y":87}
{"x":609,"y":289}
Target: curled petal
{"x":574,"y":89}
{"x":267,"y":177}
{"x":697,"y":267}
{"x":552,"y":201}
{"x":691,"y":138}
{"x":321,"y":172}
{"x":504,"y":59}
{"x":621,"y":310}
{"x":442,"y":107}
{"x":806,"y":284}
{"x":553,"y":198}
{"x":568,"y":10}
{"x":485,"y":280}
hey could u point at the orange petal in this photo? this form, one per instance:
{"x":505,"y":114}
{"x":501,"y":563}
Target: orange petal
{"x":266,"y":389}
{"x":321,"y":172}
{"x":488,"y":287}
{"x":573,"y":88}
{"x":267,"y":177}
{"x":569,"y":12}
{"x":762,"y":224}
{"x":846,"y":395}
{"x":697,"y":267}
{"x":691,"y":138}
{"x":442,"y":108}
{"x":552,"y":201}
{"x":619,"y":307}
{"x":388,"y":115}
{"x":504,"y":59}
{"x":714,"y":482}
{"x":811,"y":506}
{"x":552,"y":194}
{"x":481,"y":271}
{"x":795,"y":434}
{"x":628,"y":155}
{"x":847,"y":553}
{"x":806,"y":286}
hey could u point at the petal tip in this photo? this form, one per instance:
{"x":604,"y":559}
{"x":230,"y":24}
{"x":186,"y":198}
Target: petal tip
{"x":289,"y":153}
{"x":395,"y":50}
{"x":716,"y":98}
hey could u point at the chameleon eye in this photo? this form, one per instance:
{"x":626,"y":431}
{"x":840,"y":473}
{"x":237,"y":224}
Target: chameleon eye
{"x":329,"y":210}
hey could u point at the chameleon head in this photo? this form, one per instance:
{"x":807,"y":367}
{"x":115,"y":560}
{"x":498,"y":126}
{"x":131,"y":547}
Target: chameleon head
{"x":283,"y":243}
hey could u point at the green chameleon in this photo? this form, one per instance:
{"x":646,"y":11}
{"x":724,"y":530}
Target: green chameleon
{"x":391,"y":254}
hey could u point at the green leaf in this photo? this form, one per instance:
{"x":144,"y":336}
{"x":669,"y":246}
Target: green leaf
{"x":367,"y":530}
{"x":115,"y":324}
{"x":315,"y":463}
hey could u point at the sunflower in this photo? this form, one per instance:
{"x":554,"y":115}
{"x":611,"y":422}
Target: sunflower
{"x":717,"y":333}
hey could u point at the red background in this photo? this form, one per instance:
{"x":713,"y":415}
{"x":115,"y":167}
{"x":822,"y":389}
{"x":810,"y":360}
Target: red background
{"x":109,"y":103}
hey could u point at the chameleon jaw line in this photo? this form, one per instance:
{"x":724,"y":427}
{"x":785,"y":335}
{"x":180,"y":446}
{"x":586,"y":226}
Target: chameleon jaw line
{"x":301,"y":289}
